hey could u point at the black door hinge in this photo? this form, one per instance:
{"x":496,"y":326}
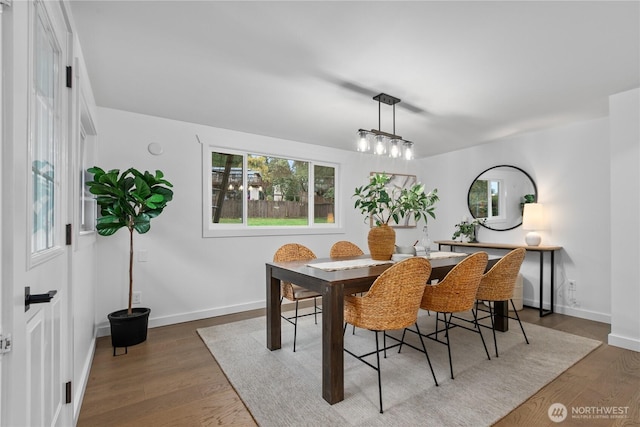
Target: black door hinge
{"x":69,"y":76}
{"x":67,"y":392}
{"x":68,"y":234}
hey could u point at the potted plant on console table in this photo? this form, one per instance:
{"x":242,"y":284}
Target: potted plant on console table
{"x":380,"y":203}
{"x":468,"y":229}
{"x":128,"y":200}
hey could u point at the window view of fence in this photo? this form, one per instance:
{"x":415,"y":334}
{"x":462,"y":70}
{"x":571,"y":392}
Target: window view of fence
{"x":274,"y":191}
{"x":484,"y":197}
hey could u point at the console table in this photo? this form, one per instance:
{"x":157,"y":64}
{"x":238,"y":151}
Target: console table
{"x":540,"y":249}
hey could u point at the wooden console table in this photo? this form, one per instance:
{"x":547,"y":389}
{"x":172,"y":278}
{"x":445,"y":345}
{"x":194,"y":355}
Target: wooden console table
{"x":540,"y":249}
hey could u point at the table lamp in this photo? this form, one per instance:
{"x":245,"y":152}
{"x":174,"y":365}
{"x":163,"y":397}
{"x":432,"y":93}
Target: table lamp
{"x":533,"y":220}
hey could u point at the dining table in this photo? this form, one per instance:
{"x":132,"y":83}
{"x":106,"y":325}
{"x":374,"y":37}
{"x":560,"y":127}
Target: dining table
{"x":349,"y":276}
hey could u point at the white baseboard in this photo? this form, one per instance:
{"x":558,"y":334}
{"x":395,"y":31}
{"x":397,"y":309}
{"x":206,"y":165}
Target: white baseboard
{"x":103,"y":329}
{"x":574,"y":311}
{"x":81,"y":383}
{"x":624,"y":342}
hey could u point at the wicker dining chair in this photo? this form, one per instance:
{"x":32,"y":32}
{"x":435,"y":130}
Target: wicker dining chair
{"x":344,"y":248}
{"x":292,"y":292}
{"x":498,"y":284}
{"x":393,"y":302}
{"x":456,"y":293}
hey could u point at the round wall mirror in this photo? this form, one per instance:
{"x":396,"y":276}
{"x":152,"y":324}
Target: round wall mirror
{"x":498,"y":195}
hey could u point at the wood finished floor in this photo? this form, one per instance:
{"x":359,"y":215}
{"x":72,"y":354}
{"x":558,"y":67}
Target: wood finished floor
{"x":172,"y":380}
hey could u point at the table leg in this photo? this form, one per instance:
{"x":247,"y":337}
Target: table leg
{"x":274,"y":338}
{"x":543,"y":311}
{"x":333,"y":343}
{"x":501,"y":313}
{"x":553,"y":270}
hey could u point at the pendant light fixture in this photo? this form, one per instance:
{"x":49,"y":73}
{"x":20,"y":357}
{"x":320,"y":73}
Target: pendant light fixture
{"x":383,"y":143}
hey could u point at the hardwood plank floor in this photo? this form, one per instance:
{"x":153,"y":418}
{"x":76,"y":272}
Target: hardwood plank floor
{"x":172,"y":380}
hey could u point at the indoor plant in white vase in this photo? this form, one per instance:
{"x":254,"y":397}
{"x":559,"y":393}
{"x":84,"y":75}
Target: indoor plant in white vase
{"x":128,"y":200}
{"x":381,"y":203}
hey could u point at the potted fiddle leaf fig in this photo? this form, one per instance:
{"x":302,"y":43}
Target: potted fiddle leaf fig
{"x":130,"y":200}
{"x":380,"y":202}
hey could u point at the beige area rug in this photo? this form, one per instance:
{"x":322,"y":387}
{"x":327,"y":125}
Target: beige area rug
{"x":282,"y":388}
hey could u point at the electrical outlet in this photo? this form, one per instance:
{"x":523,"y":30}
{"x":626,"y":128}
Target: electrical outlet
{"x":137,"y":297}
{"x":572,"y":285}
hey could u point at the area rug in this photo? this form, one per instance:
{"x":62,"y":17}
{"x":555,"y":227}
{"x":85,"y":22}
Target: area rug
{"x":283,"y":388}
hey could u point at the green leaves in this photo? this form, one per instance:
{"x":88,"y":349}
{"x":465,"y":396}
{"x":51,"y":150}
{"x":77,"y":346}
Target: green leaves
{"x":128,"y":199}
{"x":380,"y":202}
{"x":467,"y":229}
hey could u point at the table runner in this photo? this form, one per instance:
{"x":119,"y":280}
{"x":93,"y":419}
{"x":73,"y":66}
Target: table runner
{"x":368,"y":262}
{"x":347,"y":264}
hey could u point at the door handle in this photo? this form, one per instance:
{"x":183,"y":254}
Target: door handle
{"x":36,"y":298}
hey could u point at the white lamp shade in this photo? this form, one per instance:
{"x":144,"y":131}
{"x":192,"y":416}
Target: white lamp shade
{"x":533,"y":217}
{"x":533,"y":220}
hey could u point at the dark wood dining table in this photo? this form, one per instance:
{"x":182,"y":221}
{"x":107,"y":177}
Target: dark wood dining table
{"x":333,"y":286}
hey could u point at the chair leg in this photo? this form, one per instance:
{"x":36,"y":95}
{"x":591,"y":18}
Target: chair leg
{"x":446,"y":326}
{"x":518,"y":318}
{"x":476,"y":310}
{"x":353,"y":331}
{"x":493,"y":329}
{"x":384,"y":343}
{"x":425,"y":352}
{"x":295,"y":328}
{"x":379,"y":376}
{"x":475,"y":319}
{"x":402,"y":340}
{"x":315,"y":310}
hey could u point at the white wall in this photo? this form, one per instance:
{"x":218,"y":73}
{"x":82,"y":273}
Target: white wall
{"x":624,"y":111}
{"x":187,"y":276}
{"x":569,"y":165}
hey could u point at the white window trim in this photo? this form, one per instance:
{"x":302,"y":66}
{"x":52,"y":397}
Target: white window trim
{"x":501,"y":201}
{"x":36,"y":258}
{"x":243,"y":230}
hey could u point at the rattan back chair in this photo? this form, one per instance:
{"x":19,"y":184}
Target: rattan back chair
{"x":292,"y":292}
{"x":498,"y":284}
{"x":344,"y":248}
{"x":455,"y":293}
{"x":393,"y":302}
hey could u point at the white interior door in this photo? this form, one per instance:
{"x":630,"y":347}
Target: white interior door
{"x":2,"y":142}
{"x":36,"y":370}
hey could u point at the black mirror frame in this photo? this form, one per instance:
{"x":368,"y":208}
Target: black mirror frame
{"x":535,"y":190}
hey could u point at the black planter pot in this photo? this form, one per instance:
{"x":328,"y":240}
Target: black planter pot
{"x":128,"y":329}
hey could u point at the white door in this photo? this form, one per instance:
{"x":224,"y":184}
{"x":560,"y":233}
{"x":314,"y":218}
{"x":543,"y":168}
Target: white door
{"x":3,"y":338}
{"x":36,"y":182}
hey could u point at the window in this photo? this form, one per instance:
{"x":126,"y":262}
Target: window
{"x":484,"y":198}
{"x":324,"y":181}
{"x":45,"y":122}
{"x":247,"y":193}
{"x":88,"y":210}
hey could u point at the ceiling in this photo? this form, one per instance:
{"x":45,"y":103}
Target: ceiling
{"x":466,"y":72}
